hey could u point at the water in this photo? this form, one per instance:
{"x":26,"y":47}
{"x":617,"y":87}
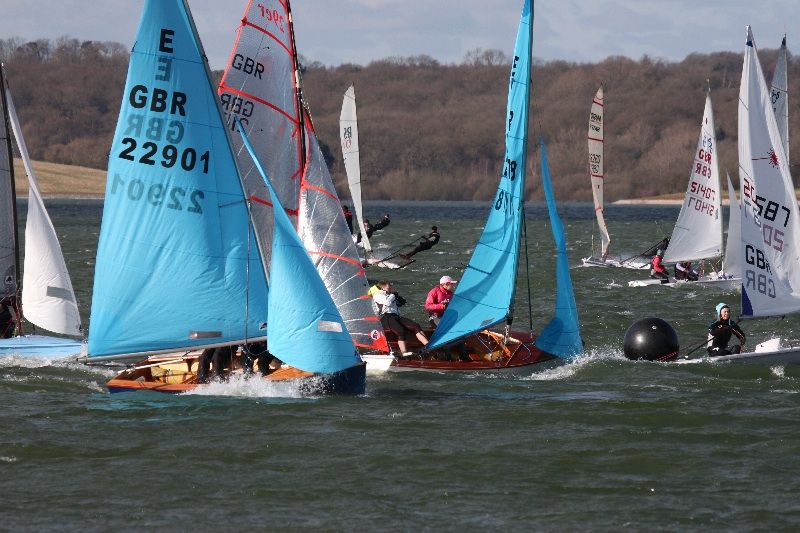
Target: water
{"x":601,"y":444}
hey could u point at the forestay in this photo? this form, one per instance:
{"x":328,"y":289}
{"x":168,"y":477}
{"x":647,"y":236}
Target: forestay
{"x":562,"y":335}
{"x":485,"y":294}
{"x":596,"y":170}
{"x":732,"y":264}
{"x":779,"y":94}
{"x":698,"y":231}
{"x":348,"y":133}
{"x":48,"y":299}
{"x":177,"y":262}
{"x":9,"y":244}
{"x":305,"y":328}
{"x":770,"y":225}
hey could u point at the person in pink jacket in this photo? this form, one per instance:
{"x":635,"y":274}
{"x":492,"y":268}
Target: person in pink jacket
{"x":438,"y":298}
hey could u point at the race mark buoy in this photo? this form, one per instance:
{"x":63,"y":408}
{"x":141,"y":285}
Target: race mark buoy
{"x":652,"y":339}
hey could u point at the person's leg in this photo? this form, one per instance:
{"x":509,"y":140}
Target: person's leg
{"x":422,"y":338}
{"x":736,"y":349}
{"x":203,"y":366}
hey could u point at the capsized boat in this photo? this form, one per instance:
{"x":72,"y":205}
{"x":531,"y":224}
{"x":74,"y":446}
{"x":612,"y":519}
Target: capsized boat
{"x":770,"y":222}
{"x":484,"y":296}
{"x":179,"y":267}
{"x":697,"y":234}
{"x":595,"y":140}
{"x":48,"y":300}
{"x":261,"y":87}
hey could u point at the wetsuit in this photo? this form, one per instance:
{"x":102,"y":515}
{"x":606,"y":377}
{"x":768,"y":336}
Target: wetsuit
{"x":221,"y":358}
{"x":348,"y":217}
{"x":6,"y":322}
{"x":372,"y":228}
{"x":719,"y":335}
{"x":430,"y":240}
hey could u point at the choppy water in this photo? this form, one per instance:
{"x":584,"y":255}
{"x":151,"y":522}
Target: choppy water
{"x":600,"y":444}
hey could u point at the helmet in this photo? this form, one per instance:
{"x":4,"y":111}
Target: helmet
{"x":660,"y":252}
{"x":721,"y":306}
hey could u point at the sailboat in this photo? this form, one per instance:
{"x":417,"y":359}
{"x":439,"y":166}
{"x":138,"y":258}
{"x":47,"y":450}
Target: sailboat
{"x":48,"y":300}
{"x":484,"y":296}
{"x":348,"y":135}
{"x":770,"y":222}
{"x":595,"y":141}
{"x":697,"y":234}
{"x":179,"y":266}
{"x":261,"y":88}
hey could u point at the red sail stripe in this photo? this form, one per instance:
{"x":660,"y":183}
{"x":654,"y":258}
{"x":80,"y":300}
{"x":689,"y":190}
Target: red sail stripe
{"x":224,"y":87}
{"x":335,"y":256}
{"x":246,"y":22}
{"x":597,"y":176}
{"x":593,"y":139}
{"x":256,"y":199}
{"x":600,"y":103}
{"x":305,"y":185}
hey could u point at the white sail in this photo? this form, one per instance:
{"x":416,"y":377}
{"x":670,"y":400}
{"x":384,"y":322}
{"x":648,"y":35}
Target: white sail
{"x":732,"y":264}
{"x":348,"y":132}
{"x":770,"y":225}
{"x":698,"y":231}
{"x":48,"y":299}
{"x":596,"y":172}
{"x":779,"y":93}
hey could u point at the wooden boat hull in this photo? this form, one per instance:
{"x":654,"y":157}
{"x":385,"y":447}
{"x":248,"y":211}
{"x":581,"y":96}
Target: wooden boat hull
{"x":486,"y":352}
{"x":178,"y":374}
{"x":42,"y":347}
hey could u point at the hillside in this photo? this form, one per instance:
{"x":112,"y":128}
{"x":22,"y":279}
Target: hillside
{"x":57,"y":180}
{"x":429,"y":130}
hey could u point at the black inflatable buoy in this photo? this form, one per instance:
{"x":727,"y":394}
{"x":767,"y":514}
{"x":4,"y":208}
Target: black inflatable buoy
{"x":652,"y":339}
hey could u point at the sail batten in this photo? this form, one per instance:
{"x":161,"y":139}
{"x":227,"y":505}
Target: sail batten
{"x":485,"y":293}
{"x":770,"y":224}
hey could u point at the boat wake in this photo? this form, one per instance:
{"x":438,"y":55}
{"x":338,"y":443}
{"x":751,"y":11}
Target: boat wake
{"x":583,"y":361}
{"x":254,"y":387}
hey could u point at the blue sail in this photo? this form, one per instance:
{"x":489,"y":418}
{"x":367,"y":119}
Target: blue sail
{"x":305,"y":327}
{"x":485,"y":293}
{"x":562,"y":335}
{"x":178,"y":265}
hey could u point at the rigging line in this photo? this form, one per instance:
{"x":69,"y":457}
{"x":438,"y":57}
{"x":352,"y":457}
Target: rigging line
{"x":247,"y":278}
{"x":527,"y":270}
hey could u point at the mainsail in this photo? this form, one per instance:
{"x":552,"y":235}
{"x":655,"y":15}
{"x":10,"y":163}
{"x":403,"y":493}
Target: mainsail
{"x":348,"y":133}
{"x":596,"y":171}
{"x":779,"y":94}
{"x":698,"y":231}
{"x":48,"y":299}
{"x":562,"y":335}
{"x":485,"y":294}
{"x":261,"y":87}
{"x":770,"y":224}
{"x":305,"y":328}
{"x":9,"y":244}
{"x":178,"y":265}
{"x":732,"y":264}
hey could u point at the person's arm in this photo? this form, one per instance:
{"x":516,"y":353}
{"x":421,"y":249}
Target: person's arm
{"x":739,"y":333}
{"x":432,"y":302}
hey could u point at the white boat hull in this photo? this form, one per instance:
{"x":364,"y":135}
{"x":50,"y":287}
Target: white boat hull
{"x":723,"y":283}
{"x":786,"y":356}
{"x":41,"y":347}
{"x":614,"y":263}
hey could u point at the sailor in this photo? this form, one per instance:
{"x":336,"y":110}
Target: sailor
{"x":388,"y":302}
{"x":7,"y":318}
{"x":348,"y":217}
{"x":218,"y":358}
{"x":370,"y":228}
{"x":720,"y":332}
{"x":685,"y":271}
{"x":657,"y":270}
{"x":438,"y":298}
{"x":428,"y":241}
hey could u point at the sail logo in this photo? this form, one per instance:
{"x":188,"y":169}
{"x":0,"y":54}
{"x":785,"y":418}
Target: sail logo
{"x":347,"y":136}
{"x":772,"y":158}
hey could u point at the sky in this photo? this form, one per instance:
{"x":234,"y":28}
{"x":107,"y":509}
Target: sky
{"x":359,"y":31}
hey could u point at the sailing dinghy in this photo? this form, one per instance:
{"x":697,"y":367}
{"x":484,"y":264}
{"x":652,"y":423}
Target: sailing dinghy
{"x":697,"y":234}
{"x":595,"y":141}
{"x":348,"y":134}
{"x":779,"y":94}
{"x":770,"y":222}
{"x":485,"y":294}
{"x":48,"y":300}
{"x":261,"y":88}
{"x":179,"y":267}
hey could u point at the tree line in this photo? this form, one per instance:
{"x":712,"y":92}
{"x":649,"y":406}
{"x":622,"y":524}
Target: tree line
{"x":428,"y":130}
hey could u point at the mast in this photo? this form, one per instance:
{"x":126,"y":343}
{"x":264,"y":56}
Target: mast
{"x":16,"y":304}
{"x":298,"y":89}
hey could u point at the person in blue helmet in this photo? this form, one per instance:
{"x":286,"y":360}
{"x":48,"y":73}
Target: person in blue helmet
{"x":721,"y":331}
